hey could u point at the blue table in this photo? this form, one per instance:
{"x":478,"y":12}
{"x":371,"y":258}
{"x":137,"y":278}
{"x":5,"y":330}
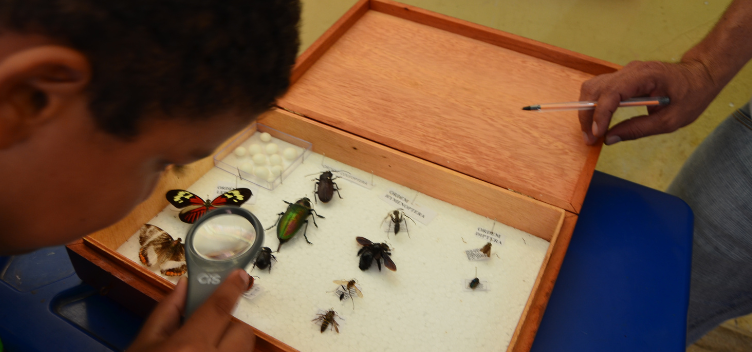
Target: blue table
{"x":623,"y":286}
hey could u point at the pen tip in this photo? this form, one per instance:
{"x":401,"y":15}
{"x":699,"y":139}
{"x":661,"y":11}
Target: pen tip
{"x":527,"y":108}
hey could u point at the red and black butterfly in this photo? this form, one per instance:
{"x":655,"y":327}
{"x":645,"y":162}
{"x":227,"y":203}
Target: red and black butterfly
{"x":159,"y":248}
{"x":193,"y":207}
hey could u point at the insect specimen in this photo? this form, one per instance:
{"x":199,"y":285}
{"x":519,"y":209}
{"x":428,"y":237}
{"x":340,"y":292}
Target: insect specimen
{"x":292,"y":220}
{"x":397,"y":217}
{"x":264,"y":259}
{"x":348,"y":289}
{"x":476,"y":281}
{"x":193,"y":207}
{"x":374,"y":251}
{"x":159,"y":248}
{"x":487,"y":250}
{"x":327,"y":319}
{"x":325,"y":187}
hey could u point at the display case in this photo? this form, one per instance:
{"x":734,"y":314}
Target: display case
{"x":430,"y":103}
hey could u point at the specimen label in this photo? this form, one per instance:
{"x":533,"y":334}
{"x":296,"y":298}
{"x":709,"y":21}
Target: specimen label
{"x":344,"y":174}
{"x":416,"y":211}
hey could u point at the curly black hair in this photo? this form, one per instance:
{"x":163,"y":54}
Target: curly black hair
{"x":180,"y":58}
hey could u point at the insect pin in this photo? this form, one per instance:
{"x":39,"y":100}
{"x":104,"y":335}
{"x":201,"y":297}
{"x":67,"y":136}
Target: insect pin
{"x":325,"y":187}
{"x":193,"y":207}
{"x":159,"y":248}
{"x":264,"y":259}
{"x":327,"y":319}
{"x":474,"y":283}
{"x":292,"y":220}
{"x":374,"y":251}
{"x":396,"y":218}
{"x":348,"y":289}
{"x":487,"y":250}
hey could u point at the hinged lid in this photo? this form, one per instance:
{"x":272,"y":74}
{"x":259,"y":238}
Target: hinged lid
{"x":436,"y":93}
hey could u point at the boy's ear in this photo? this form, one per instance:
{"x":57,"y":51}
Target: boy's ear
{"x":36,"y":85}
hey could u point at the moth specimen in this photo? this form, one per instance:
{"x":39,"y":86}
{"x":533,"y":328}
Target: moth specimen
{"x":159,"y":248}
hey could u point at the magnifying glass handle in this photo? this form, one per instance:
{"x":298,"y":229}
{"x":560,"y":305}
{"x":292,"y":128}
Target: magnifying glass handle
{"x":201,"y":285}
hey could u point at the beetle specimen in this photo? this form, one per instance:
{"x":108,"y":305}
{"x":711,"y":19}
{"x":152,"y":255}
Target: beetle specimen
{"x":487,"y":250}
{"x":264,"y":259}
{"x":374,"y":251}
{"x":474,"y":283}
{"x":158,"y":247}
{"x":348,"y":289}
{"x":292,"y":220}
{"x":397,"y":217}
{"x":193,"y":207}
{"x":325,"y":187}
{"x":326,"y":319}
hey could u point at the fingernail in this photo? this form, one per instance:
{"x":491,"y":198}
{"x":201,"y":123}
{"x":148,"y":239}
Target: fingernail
{"x":246,"y":278}
{"x":595,"y":129}
{"x":612,"y":140}
{"x":250,"y":284}
{"x":586,"y":137}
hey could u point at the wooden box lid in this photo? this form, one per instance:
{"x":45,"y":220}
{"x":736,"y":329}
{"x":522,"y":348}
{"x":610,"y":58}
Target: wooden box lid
{"x":451,"y":92}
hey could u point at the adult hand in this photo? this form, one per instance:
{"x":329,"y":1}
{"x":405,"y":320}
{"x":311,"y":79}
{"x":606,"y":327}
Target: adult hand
{"x":688,"y":84}
{"x":210,"y":328}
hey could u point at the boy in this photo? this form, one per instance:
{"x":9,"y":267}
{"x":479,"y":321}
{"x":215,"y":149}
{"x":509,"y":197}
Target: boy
{"x":97,"y":98}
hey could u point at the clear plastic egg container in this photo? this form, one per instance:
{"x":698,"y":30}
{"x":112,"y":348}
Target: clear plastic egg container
{"x":263,"y":155}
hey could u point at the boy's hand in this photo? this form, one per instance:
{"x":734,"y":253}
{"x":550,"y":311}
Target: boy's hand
{"x":210,"y":328}
{"x":688,"y":84}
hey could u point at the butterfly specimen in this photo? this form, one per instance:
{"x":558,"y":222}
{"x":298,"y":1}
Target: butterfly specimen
{"x":193,"y":207}
{"x":159,"y":248}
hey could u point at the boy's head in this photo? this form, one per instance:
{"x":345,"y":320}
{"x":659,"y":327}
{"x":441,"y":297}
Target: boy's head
{"x":98,"y":97}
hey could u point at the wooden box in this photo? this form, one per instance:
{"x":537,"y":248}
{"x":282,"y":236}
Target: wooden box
{"x":429,"y":102}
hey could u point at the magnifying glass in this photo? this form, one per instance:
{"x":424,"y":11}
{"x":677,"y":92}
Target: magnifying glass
{"x":221,"y":241}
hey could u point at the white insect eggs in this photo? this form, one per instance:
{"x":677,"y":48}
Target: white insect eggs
{"x":259,"y":159}
{"x":240,"y":151}
{"x":275,"y":159}
{"x":276,"y":170}
{"x":271,"y":148}
{"x":290,"y":154}
{"x":254,"y":149}
{"x":246,"y":167}
{"x":265,"y":137}
{"x":261,"y":172}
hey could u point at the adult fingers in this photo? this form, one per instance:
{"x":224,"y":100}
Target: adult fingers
{"x":238,"y":338}
{"x":641,"y":126}
{"x":165,"y":319}
{"x":210,"y":321}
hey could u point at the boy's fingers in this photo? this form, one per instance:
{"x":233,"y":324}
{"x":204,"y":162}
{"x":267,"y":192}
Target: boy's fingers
{"x":238,"y":338}
{"x":210,"y":321}
{"x":165,"y":319}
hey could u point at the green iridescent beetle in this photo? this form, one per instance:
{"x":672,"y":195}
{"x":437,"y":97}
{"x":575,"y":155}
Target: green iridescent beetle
{"x":292,"y":220}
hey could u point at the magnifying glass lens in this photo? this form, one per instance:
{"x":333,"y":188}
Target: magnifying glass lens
{"x":224,"y":237}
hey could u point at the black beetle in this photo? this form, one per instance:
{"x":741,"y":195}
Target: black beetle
{"x":325,"y":187}
{"x":264,"y":259}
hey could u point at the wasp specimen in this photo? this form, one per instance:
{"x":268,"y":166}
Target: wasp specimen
{"x":264,"y":259}
{"x":474,"y":283}
{"x":292,"y":220}
{"x":487,"y":250}
{"x":396,"y":218}
{"x":374,"y":251}
{"x":327,"y":319}
{"x":159,"y":248}
{"x":348,"y":289}
{"x":325,"y":187}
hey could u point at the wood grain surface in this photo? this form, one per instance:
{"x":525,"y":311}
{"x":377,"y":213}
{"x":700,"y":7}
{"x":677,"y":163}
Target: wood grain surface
{"x":452,"y":100}
{"x":521,"y":212}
